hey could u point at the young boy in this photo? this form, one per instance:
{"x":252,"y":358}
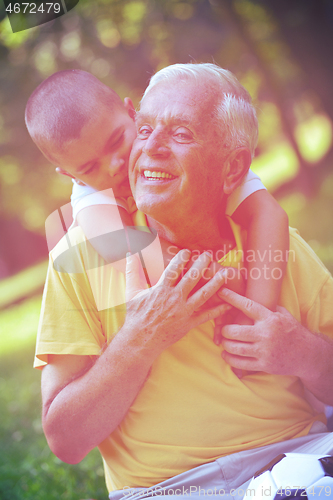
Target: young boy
{"x":83,"y":127}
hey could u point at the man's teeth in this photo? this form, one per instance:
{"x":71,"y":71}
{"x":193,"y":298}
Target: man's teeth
{"x":157,"y":175}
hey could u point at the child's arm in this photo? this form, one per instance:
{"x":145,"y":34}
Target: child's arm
{"x":267,"y":246}
{"x":109,"y":229}
{"x":100,"y":224}
{"x":266,"y":254}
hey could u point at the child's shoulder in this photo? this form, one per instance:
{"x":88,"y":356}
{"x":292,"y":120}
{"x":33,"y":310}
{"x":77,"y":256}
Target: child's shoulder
{"x":80,"y":190}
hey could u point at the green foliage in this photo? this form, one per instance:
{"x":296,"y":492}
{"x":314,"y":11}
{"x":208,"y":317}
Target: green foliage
{"x":11,"y":40}
{"x":28,"y":469}
{"x":314,"y":219}
{"x":123,"y":42}
{"x":22,"y":284}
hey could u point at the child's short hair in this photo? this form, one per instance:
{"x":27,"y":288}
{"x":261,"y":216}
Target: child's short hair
{"x":61,"y":105}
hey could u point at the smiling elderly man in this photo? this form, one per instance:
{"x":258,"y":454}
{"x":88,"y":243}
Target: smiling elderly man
{"x":148,"y":386}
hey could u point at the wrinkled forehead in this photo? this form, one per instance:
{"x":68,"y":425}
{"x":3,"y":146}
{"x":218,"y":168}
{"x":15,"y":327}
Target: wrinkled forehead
{"x":179,"y":100}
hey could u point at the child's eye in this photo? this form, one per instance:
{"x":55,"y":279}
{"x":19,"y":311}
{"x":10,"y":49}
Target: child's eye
{"x":118,"y":141}
{"x":91,"y":169}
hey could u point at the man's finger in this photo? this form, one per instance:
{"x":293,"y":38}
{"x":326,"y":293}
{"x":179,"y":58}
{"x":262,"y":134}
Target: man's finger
{"x":200,"y":318}
{"x":174,"y":269}
{"x":241,"y":362}
{"x":217,"y":339}
{"x":220,"y":322}
{"x":200,"y":297}
{"x":195,"y":273}
{"x":242,"y":333}
{"x":134,"y":280}
{"x":245,"y":349}
{"x":251,"y":309}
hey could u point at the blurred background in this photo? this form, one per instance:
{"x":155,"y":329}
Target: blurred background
{"x":281,"y":51}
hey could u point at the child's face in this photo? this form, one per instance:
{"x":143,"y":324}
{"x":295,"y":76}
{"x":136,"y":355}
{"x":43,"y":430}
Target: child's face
{"x":100,"y":156}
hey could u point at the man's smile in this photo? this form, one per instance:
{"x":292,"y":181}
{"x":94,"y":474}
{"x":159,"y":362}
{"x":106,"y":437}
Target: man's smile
{"x":157,"y":175}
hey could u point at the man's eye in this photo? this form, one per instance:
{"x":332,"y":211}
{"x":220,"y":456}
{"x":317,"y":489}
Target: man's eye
{"x":182,"y":135}
{"x":144,"y":131}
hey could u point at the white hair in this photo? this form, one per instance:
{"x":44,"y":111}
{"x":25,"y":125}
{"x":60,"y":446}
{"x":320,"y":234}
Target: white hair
{"x":234,"y":111}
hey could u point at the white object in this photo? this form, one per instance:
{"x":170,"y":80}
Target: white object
{"x":294,"y":476}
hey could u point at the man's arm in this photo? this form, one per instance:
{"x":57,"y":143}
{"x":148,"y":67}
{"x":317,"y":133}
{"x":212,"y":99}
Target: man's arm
{"x":83,"y":402}
{"x":277,"y":343}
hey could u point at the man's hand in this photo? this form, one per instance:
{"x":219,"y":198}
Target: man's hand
{"x":163,"y":314}
{"x":271,"y":344}
{"x":233,"y":280}
{"x":277,"y":343}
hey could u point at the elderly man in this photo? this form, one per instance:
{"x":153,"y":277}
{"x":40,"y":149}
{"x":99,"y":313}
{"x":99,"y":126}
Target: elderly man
{"x":147,"y":385}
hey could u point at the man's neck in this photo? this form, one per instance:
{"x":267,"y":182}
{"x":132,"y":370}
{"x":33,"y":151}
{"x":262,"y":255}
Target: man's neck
{"x":214,"y":236}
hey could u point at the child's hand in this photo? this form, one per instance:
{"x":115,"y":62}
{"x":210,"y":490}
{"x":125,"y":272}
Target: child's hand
{"x":233,"y":279}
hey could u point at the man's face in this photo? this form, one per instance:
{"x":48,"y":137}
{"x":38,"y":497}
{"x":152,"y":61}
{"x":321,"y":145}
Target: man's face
{"x":176,"y":169}
{"x":100,"y":156}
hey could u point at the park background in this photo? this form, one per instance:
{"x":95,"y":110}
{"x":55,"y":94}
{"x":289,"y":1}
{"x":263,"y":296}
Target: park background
{"x":281,"y":50}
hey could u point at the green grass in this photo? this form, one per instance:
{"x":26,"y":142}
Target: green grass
{"x":18,"y":325}
{"x":28,"y":469}
{"x":22,"y":284}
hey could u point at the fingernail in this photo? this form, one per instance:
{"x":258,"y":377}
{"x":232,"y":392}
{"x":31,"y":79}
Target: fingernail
{"x":226,"y":273}
{"x":226,"y":308}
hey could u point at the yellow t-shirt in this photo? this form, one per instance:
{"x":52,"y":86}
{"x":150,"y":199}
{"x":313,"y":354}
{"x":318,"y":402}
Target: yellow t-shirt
{"x":192,"y":409}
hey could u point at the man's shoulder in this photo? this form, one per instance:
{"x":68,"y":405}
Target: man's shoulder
{"x":73,"y":254}
{"x":306,"y":275}
{"x":300,"y":253}
{"x":73,"y":237}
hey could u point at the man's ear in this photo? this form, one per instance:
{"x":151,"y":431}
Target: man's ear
{"x":129,"y":106}
{"x":239,"y":162}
